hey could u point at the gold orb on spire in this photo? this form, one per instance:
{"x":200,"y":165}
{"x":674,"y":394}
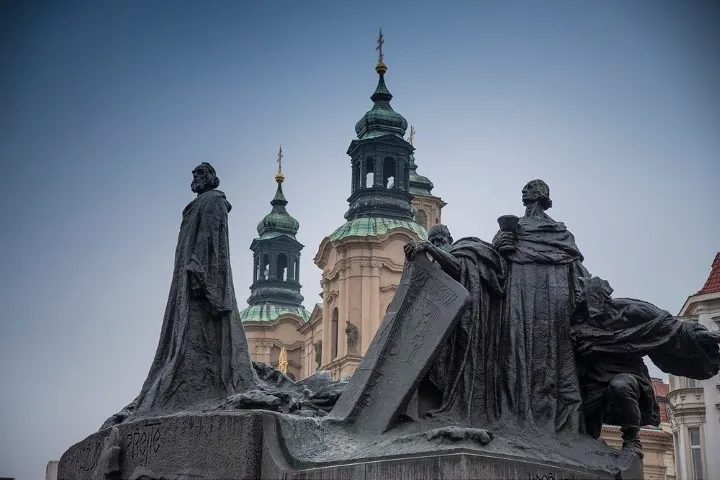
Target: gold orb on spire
{"x":279,"y":177}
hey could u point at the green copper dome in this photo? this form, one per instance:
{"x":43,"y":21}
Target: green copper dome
{"x":278,"y":221}
{"x":381,"y":119}
{"x":374,"y":226}
{"x":270,"y":312}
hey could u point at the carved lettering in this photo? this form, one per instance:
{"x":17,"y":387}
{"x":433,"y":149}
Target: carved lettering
{"x":547,"y":476}
{"x":440,"y":293}
{"x":89,"y":454}
{"x":143,"y":442}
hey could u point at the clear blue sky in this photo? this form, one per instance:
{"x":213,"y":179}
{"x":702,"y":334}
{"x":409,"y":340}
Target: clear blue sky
{"x":105,"y":108}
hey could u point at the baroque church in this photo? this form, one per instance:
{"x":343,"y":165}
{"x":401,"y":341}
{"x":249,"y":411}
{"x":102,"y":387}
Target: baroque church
{"x":361,"y":261}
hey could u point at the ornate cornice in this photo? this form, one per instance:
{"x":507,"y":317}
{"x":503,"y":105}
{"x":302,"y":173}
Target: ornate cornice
{"x":269,"y":342}
{"x":343,"y":244}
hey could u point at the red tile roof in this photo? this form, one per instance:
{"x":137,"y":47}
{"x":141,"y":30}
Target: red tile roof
{"x":712,"y":284}
{"x":660,"y":388}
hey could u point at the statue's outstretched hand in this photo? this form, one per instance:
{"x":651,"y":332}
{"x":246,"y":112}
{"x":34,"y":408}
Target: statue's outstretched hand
{"x":413,"y":248}
{"x":409,"y":250}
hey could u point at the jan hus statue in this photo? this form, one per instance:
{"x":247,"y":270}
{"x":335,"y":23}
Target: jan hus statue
{"x":202,"y":356}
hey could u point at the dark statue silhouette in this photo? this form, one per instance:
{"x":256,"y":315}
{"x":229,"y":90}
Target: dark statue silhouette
{"x":509,"y":355}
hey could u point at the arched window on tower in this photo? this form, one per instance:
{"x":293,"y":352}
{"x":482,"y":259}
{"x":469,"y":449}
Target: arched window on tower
{"x":265,"y":268}
{"x":334,"y":332}
{"x":389,"y":172}
{"x":369,"y":172}
{"x":421,"y":218}
{"x":282,"y":264}
{"x":357,"y":181}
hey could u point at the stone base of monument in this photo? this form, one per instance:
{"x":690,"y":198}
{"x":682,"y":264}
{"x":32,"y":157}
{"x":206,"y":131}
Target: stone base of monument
{"x":258,"y":444}
{"x":457,"y":465}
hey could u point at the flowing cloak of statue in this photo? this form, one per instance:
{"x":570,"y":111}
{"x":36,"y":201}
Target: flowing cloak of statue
{"x":464,"y":371}
{"x":202,"y":356}
{"x":632,"y":330}
{"x":538,"y":382}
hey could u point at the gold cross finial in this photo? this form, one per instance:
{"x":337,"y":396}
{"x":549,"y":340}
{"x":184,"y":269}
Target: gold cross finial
{"x":380,"y":42}
{"x":279,"y":177}
{"x":411,"y":137}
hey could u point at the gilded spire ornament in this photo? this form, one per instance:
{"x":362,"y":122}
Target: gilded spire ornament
{"x":279,"y":177}
{"x":283,"y":361}
{"x":380,"y":68}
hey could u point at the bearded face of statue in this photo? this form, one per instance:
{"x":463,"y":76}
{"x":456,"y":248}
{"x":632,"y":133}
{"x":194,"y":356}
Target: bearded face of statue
{"x":439,"y":235}
{"x":536,"y":191}
{"x":204,"y":178}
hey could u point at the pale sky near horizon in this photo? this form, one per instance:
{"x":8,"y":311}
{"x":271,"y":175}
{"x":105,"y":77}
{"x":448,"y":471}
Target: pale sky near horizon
{"x":106,"y":107}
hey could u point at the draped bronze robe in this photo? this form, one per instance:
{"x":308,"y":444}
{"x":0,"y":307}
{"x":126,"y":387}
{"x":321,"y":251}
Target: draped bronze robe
{"x":202,"y":356}
{"x":538,"y":384}
{"x":464,"y":372}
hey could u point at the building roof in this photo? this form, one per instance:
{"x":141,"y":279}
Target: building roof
{"x":278,"y":221}
{"x":375,"y":226}
{"x":712,"y":284}
{"x":270,"y":312}
{"x":381,"y":119}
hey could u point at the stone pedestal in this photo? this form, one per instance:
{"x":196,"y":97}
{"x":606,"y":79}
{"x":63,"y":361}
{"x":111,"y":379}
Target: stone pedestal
{"x":191,"y":446}
{"x":452,"y":466}
{"x":258,"y":444}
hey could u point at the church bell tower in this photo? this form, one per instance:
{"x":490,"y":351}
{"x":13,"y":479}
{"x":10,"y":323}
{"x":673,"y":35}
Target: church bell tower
{"x":380,"y":158}
{"x":362,"y":260}
{"x":275,"y":310}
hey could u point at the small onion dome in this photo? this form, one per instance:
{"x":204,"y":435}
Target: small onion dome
{"x":278,"y":221}
{"x":381,"y":119}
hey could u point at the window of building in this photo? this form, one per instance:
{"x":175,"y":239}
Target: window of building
{"x":696,"y":455}
{"x":369,"y":172}
{"x":265,"y":268}
{"x":389,"y":172}
{"x":282,"y":264}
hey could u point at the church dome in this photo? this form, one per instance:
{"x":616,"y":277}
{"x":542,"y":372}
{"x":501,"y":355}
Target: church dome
{"x":278,"y":221}
{"x":381,"y":119}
